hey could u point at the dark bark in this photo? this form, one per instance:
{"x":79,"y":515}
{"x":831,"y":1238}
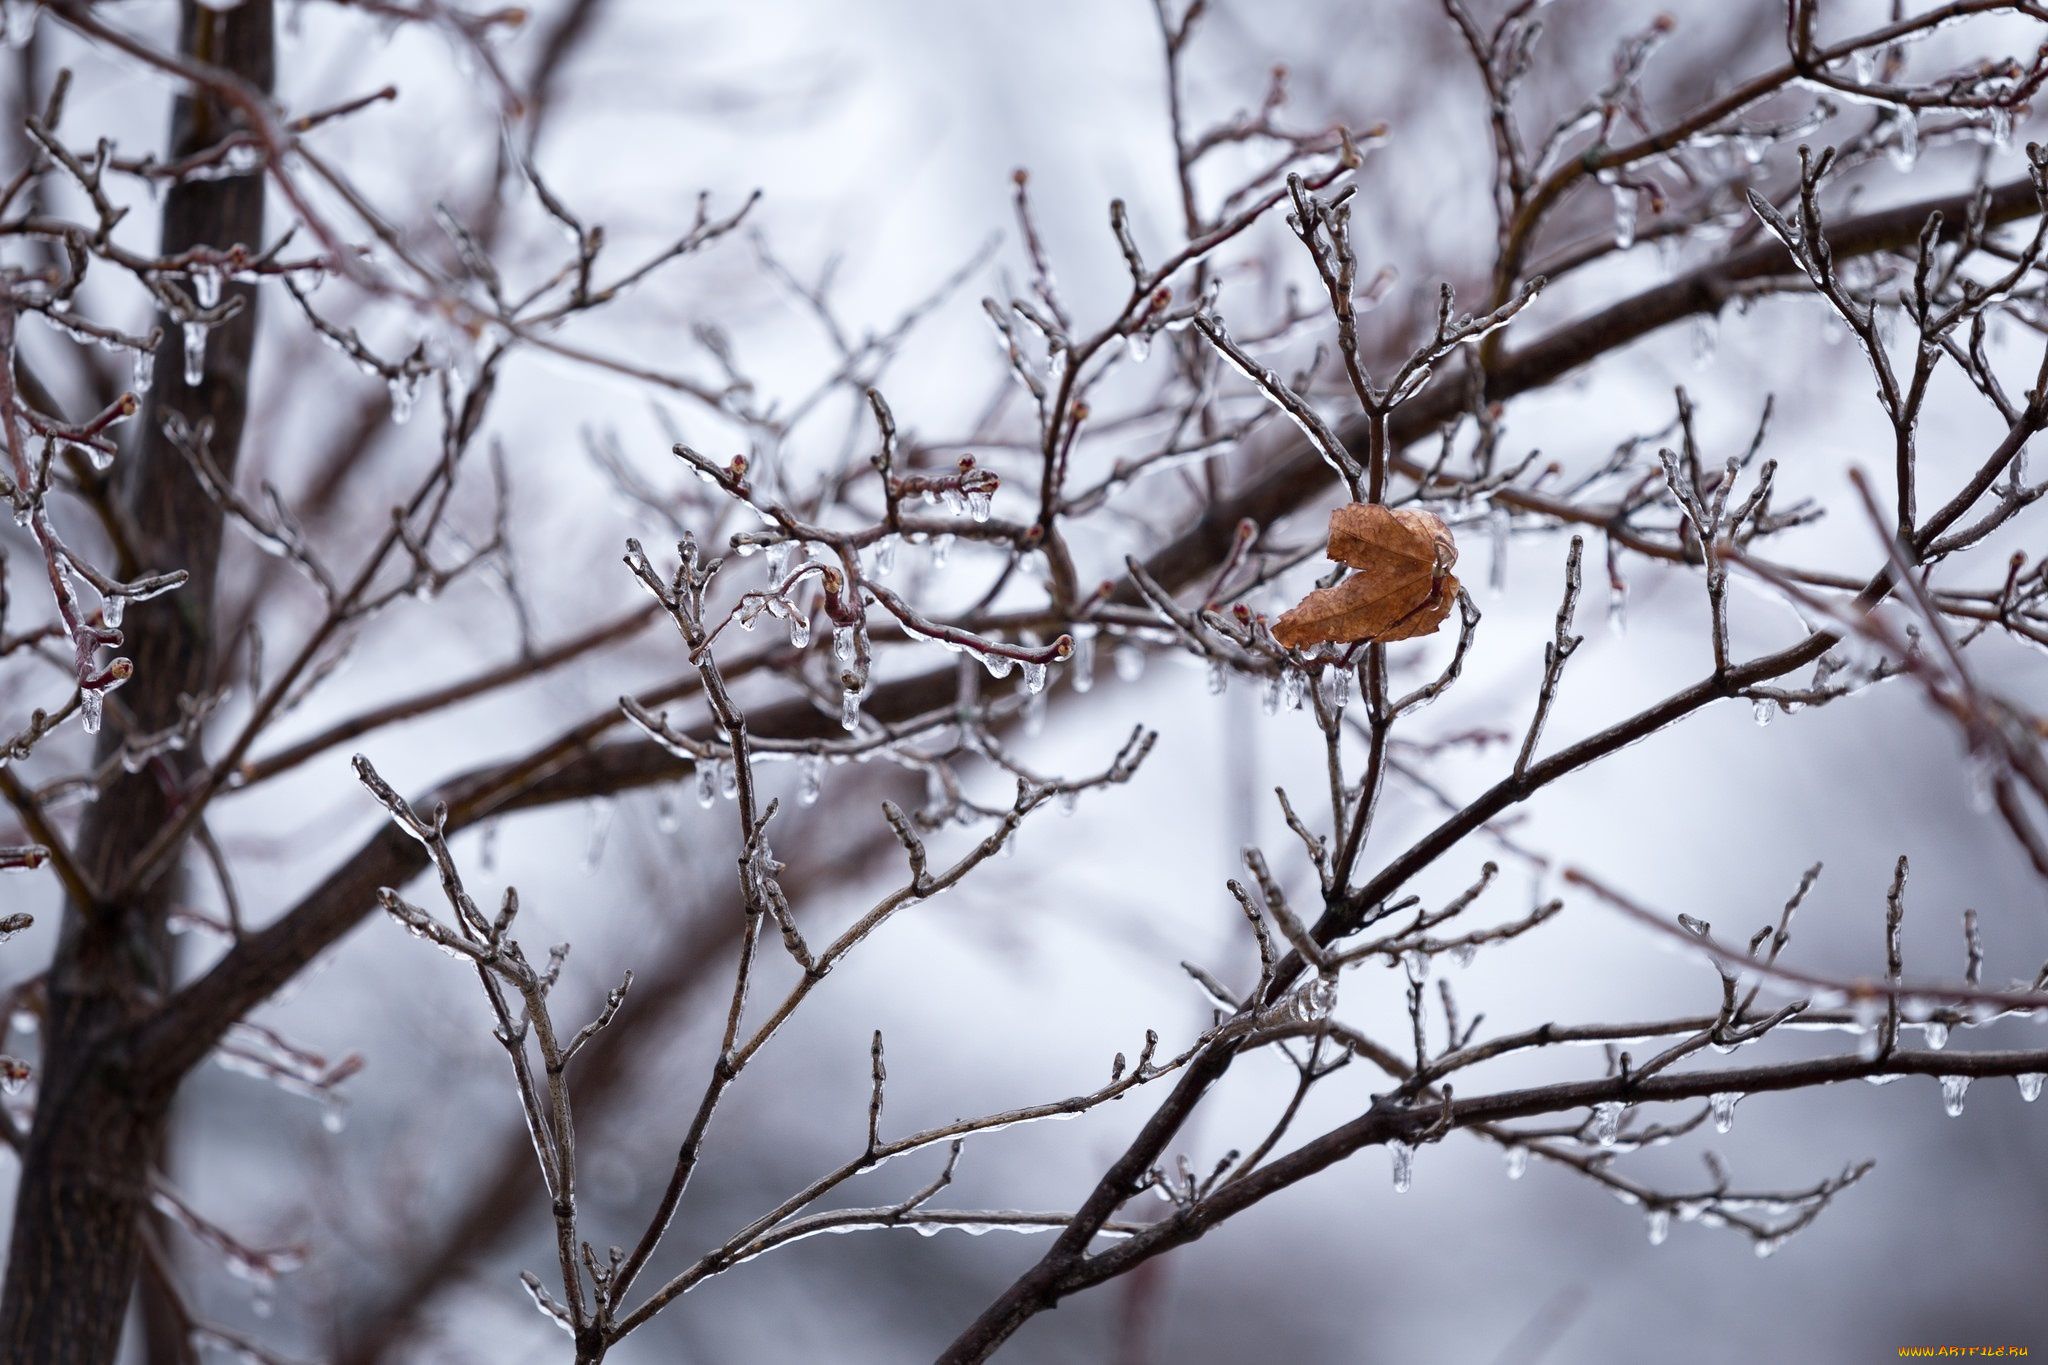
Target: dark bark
{"x":100,"y":1118}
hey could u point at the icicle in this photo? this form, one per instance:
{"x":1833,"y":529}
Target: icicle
{"x":810,"y":779}
{"x":1219,"y":677}
{"x":90,"y":704}
{"x":205,"y":281}
{"x":1497,"y":527}
{"x":1723,"y":1103}
{"x":1763,"y":711}
{"x":1130,"y":663}
{"x":195,"y":353}
{"x":849,"y":710}
{"x":1139,"y":344}
{"x":842,"y":644}
{"x":1034,"y":678}
{"x":1624,"y":217}
{"x":1953,"y":1088}
{"x":777,"y":557}
{"x":728,"y":779}
{"x":941,"y":546}
{"x":1607,"y":1122}
{"x":1936,"y":1034}
{"x":980,"y":504}
{"x":1768,"y":1246}
{"x":1705,"y":331}
{"x":144,"y":372}
{"x":667,"y":819}
{"x":1660,"y":1226}
{"x":1518,"y":1162}
{"x":1082,"y":666}
{"x":998,"y":665}
{"x":1336,"y":687}
{"x":1293,"y":689}
{"x":1404,"y":1164}
{"x":600,"y":831}
{"x":1617,"y":606}
{"x":707,"y":783}
{"x":405,"y":389}
{"x":1269,"y":696}
{"x":884,"y":556}
{"x":1905,"y":147}
{"x":2030,"y":1085}
{"x":1034,"y":708}
{"x":799,"y":631}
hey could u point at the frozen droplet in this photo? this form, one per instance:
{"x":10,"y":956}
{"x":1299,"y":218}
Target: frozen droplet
{"x":1660,"y":1226}
{"x":205,"y":282}
{"x":195,"y":353}
{"x":707,"y":783}
{"x":1068,"y":802}
{"x":667,"y":819}
{"x":1404,"y":1164}
{"x":842,"y":644}
{"x":1219,"y":677}
{"x":1130,"y":662}
{"x":777,"y":557}
{"x":979,"y":504}
{"x":849,"y":710}
{"x":112,"y":609}
{"x":884,"y":556}
{"x":1936,"y":1034}
{"x":1269,"y":696}
{"x":1082,"y":666}
{"x":334,"y":1114}
{"x":144,"y":372}
{"x":1763,"y":711}
{"x":810,"y":779}
{"x":942,"y":546}
{"x":1518,"y":1162}
{"x":1723,"y":1103}
{"x":1463,"y":953}
{"x":1953,"y":1088}
{"x":1617,"y":606}
{"x":799,"y":631}
{"x":1607,"y":1122}
{"x":1624,"y":217}
{"x":998,"y":665}
{"x":728,"y":779}
{"x":1034,"y":677}
{"x":91,"y":703}
{"x":2030,"y":1085}
{"x":1768,"y":1246}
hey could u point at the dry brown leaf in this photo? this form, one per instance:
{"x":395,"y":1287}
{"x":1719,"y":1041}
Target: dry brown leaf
{"x":1403,"y":587}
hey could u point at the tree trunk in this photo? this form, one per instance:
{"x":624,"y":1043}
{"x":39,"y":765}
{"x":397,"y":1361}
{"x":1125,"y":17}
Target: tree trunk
{"x":98,"y":1126}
